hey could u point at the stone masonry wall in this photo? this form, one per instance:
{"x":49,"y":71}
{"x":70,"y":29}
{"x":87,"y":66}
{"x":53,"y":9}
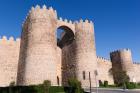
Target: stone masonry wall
{"x":68,"y":63}
{"x":122,"y":60}
{"x":9,"y":53}
{"x":37,"y":57}
{"x":104,"y":65}
{"x":136,"y":72}
{"x":85,"y":53}
{"x":59,"y":65}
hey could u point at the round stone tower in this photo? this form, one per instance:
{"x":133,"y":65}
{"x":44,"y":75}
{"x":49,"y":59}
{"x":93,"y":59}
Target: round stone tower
{"x":85,"y":53}
{"x":122,"y":60}
{"x":38,"y":56}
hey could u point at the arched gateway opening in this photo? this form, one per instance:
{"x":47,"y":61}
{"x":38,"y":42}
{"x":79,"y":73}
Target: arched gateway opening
{"x":65,"y":44}
{"x":65,"y":36}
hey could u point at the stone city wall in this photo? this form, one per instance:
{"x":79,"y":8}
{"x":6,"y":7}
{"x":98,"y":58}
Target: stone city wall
{"x":104,"y":65}
{"x":136,"y":72}
{"x":9,"y":53}
{"x":38,"y":58}
{"x":59,"y":65}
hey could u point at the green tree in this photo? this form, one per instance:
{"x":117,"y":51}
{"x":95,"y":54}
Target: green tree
{"x":74,"y":83}
{"x":120,"y":77}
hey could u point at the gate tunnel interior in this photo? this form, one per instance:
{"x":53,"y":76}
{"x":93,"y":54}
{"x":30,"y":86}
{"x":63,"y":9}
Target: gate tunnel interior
{"x":65,"y":39}
{"x":65,"y":36}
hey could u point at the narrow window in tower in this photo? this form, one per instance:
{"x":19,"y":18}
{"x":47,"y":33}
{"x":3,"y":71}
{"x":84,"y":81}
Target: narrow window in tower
{"x":84,"y":76}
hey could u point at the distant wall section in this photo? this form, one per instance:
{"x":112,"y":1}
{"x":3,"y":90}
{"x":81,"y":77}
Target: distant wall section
{"x":9,"y":53}
{"x":104,"y":65}
{"x":136,"y":77}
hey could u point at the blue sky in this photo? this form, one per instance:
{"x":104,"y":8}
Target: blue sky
{"x":117,"y":22}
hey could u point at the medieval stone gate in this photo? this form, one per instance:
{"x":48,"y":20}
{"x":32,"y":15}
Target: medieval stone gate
{"x":41,"y":58}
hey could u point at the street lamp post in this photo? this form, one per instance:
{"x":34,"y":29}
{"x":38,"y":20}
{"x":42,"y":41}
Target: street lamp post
{"x":90,"y":81}
{"x":96,"y":73}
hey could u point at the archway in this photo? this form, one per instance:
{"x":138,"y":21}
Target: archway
{"x":65,"y":36}
{"x":65,"y":43}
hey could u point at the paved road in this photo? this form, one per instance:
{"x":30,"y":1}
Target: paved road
{"x":115,"y":91}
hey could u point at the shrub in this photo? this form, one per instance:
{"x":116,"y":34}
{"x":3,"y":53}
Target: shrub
{"x":101,"y":83}
{"x":112,"y":86}
{"x":12,"y":83}
{"x":46,"y":85}
{"x":105,"y":83}
{"x":131,"y":85}
{"x":56,"y":89}
{"x":74,"y":83}
{"x":33,"y":89}
{"x":138,"y":83}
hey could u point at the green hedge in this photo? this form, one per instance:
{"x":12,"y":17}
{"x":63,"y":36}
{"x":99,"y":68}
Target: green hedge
{"x":101,"y":83}
{"x":35,"y":89}
{"x":105,"y":83}
{"x":131,"y":85}
{"x":22,"y":89}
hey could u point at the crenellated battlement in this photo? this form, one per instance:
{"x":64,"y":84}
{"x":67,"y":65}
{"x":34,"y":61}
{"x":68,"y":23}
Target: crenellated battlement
{"x":81,"y":21}
{"x":38,"y":13}
{"x":84,"y":25}
{"x":65,"y":20}
{"x":136,"y":63}
{"x":37,"y":9}
{"x":103,"y":59}
{"x":5,"y":39}
{"x":84,"y":22}
{"x":120,"y":50}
